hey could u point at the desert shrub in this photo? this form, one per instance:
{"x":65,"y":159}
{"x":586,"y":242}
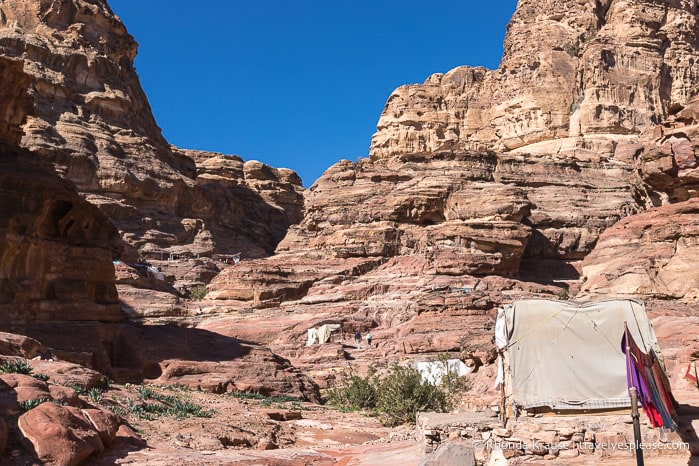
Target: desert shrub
{"x":80,"y":390}
{"x":95,"y":394}
{"x":31,"y":404}
{"x":399,"y":395}
{"x":452,"y":384}
{"x":403,"y":392}
{"x":166,"y":405}
{"x":247,"y":395}
{"x":198,"y":292}
{"x":104,"y":383}
{"x":40,"y":376}
{"x":181,"y":409}
{"x":16,"y":367}
{"x":353,"y":392}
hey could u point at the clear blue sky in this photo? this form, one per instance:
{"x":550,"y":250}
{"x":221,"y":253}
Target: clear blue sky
{"x":297,"y":83}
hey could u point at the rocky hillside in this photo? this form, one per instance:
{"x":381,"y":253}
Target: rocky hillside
{"x":570,"y":171}
{"x":84,"y":111}
{"x":86,"y":179}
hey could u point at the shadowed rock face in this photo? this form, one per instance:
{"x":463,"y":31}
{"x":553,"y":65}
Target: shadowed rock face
{"x":69,"y":93}
{"x":83,"y":109}
{"x":55,"y":248}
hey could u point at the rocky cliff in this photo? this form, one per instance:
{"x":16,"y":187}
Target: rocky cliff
{"x":56,"y":249}
{"x":598,"y":71}
{"x":85,"y":112}
{"x":86,"y":178}
{"x":570,"y":170}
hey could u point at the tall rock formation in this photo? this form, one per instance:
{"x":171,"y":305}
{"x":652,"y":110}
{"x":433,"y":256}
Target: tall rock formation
{"x":540,"y":178}
{"x":75,"y":127}
{"x":599,"y":71}
{"x":56,"y":249}
{"x":85,"y":112}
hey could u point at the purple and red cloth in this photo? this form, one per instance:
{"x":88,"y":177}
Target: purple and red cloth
{"x":643,"y":371}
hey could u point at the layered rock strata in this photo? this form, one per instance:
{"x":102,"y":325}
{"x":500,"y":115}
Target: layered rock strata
{"x":655,"y":254}
{"x":487,"y":186}
{"x":592,"y":70}
{"x":83,"y":109}
{"x":56,"y":249}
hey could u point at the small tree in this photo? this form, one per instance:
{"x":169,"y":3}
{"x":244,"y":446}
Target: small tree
{"x":403,"y":392}
{"x":353,"y":392}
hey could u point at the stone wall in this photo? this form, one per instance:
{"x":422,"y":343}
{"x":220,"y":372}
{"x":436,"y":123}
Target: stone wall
{"x":547,"y":437}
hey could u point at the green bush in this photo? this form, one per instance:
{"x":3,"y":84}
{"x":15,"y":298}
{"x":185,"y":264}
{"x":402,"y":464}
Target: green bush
{"x":453,"y":384}
{"x":398,"y":396}
{"x":353,"y":392}
{"x":198,"y":292}
{"x":402,"y":393}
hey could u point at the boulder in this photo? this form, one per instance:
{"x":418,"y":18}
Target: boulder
{"x":59,"y":435}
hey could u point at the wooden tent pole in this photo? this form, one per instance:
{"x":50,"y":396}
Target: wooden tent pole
{"x":636,"y":426}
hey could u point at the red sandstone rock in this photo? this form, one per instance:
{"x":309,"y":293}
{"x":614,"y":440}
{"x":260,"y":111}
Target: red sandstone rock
{"x":20,"y":345}
{"x":651,"y":254}
{"x":56,"y":248}
{"x":89,"y":117}
{"x":59,"y":435}
{"x":104,"y":422}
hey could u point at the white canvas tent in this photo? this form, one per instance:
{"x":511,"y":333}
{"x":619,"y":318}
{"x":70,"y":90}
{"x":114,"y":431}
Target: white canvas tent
{"x":568,"y":356}
{"x":321,"y":334}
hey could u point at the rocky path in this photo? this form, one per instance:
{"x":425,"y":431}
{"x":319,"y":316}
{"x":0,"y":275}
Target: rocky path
{"x":262,"y":431}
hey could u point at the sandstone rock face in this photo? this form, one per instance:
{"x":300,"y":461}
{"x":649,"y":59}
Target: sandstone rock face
{"x":483,"y":187}
{"x":76,"y":97}
{"x":655,"y":254}
{"x":585,"y":70}
{"x":495,"y":210}
{"x":134,"y":353}
{"x":60,"y":435}
{"x":20,"y":345}
{"x":669,"y":160}
{"x":55,"y":248}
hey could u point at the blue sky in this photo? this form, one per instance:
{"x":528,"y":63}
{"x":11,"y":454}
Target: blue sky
{"x":297,"y":83}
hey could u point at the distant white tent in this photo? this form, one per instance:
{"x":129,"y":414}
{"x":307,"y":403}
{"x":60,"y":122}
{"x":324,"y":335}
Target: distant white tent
{"x":568,"y":356}
{"x":434,"y":371}
{"x":321,"y":334}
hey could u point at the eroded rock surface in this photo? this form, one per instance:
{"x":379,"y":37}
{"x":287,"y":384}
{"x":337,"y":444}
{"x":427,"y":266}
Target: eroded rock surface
{"x":571,"y":166}
{"x":487,"y":186}
{"x":56,"y":249}
{"x":655,"y":254}
{"x":588,"y":70}
{"x":77,"y":100}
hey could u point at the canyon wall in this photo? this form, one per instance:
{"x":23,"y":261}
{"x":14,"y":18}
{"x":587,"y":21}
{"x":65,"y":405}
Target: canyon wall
{"x":86,"y":178}
{"x":570,"y":171}
{"x":85,"y":112}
